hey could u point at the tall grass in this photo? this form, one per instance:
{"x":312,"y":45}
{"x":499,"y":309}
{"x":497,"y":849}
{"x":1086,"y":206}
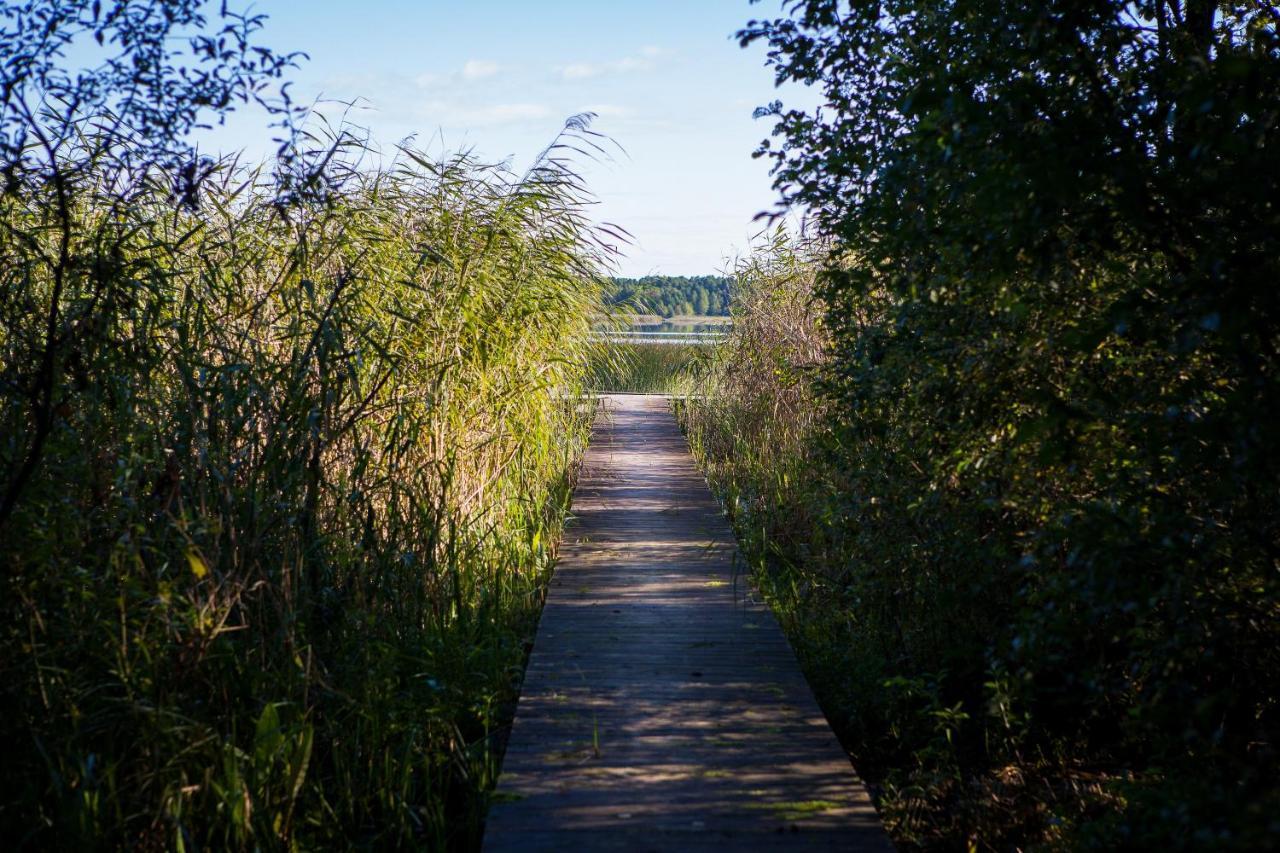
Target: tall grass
{"x":753,"y":411}
{"x":755,"y":422}
{"x":762,"y":430}
{"x":271,"y":577}
{"x":638,"y":367}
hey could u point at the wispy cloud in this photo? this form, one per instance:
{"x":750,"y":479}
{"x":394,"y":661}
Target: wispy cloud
{"x":627,"y":64}
{"x":479,"y":69}
{"x":472,"y":70}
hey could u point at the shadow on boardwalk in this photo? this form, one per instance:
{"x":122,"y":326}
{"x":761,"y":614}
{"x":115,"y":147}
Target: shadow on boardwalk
{"x":662,"y":708}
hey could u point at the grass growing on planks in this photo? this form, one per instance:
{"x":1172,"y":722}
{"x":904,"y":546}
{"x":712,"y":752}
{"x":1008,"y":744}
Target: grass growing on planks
{"x":270,"y":584}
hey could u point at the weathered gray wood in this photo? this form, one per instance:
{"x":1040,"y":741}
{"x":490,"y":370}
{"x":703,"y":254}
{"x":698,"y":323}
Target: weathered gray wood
{"x":662,"y":708}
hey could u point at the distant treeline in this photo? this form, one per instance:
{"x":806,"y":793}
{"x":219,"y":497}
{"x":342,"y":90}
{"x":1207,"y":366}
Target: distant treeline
{"x":671,"y":295}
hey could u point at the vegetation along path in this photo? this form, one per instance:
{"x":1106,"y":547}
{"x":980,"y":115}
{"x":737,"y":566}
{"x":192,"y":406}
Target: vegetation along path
{"x":662,"y":708}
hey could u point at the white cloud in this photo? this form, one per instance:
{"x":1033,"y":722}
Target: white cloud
{"x":479,"y":69}
{"x":473,"y":70}
{"x":587,"y":70}
{"x":579,"y":71}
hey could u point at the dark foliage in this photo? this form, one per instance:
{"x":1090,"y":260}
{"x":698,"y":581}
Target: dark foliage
{"x":1053,"y":512}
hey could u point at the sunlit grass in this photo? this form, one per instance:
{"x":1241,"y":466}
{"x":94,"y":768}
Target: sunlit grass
{"x":645,"y":368}
{"x":272,"y":581}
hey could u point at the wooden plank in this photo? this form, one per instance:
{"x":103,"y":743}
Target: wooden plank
{"x":662,"y":708}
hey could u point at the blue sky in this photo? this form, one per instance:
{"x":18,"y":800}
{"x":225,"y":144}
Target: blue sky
{"x":667,"y":78}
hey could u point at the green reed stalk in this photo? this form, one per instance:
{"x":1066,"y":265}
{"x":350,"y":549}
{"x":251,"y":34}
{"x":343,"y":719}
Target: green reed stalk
{"x":270,"y":582}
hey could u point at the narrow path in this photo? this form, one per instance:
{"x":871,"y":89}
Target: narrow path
{"x":662,"y":709}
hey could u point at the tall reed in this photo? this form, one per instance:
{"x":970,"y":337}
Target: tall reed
{"x":643,"y":367}
{"x":753,"y":411}
{"x":270,"y":581}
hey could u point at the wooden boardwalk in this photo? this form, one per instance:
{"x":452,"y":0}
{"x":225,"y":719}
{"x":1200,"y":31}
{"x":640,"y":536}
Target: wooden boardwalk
{"x":662,"y":709}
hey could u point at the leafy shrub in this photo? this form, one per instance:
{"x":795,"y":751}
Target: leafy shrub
{"x":1052,"y":396}
{"x":990,"y":693}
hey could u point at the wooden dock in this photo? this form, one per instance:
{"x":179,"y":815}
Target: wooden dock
{"x":662,"y":709}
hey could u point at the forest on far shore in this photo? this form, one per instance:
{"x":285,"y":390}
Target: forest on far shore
{"x":672,"y":295}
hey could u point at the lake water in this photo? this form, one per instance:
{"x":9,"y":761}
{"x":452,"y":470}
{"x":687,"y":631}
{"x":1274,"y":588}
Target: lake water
{"x":680,"y":328}
{"x":667,"y":333}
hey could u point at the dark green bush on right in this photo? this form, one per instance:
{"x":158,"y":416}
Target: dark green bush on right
{"x":1043,"y":492}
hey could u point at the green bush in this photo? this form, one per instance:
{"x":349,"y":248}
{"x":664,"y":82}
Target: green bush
{"x":1015,"y":650}
{"x":1048,"y":506}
